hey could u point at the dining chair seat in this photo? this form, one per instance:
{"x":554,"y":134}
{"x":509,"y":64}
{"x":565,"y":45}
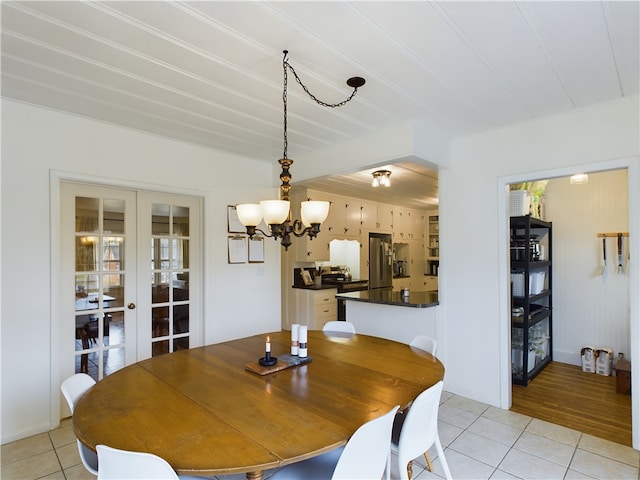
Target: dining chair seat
{"x":365,"y":456}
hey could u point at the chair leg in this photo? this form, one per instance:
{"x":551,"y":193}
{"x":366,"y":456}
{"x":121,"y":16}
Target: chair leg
{"x":410,"y":469}
{"x":428,"y":459}
{"x":443,"y":460}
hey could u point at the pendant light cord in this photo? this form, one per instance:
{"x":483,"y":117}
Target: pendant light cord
{"x":285,"y":65}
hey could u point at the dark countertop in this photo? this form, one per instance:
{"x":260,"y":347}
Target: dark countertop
{"x":391,"y":297}
{"x":324,"y":286}
{"x":332,"y":284}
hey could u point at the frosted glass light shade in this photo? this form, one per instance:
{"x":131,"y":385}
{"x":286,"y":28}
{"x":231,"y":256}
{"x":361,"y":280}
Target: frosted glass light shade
{"x":314,"y":211}
{"x":249,"y":214}
{"x":274,"y":211}
{"x":303,"y":219}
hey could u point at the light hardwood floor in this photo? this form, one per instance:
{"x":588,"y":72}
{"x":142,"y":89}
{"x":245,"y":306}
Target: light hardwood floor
{"x":565,"y":395}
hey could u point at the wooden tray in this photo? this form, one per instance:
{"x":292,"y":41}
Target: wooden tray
{"x":284,"y":362}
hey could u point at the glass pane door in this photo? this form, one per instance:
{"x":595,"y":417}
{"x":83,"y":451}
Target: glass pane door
{"x":169,"y":278}
{"x":100,"y":238}
{"x":130,"y":280}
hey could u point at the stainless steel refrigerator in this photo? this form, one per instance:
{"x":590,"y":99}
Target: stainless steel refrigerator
{"x":380,"y":261}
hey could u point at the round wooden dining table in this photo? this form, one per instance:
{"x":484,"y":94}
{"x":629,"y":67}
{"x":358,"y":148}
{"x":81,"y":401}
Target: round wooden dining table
{"x":206,"y":413}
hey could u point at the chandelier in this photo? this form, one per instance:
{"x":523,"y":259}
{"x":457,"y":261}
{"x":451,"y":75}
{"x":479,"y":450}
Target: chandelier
{"x":381,"y":177}
{"x":276,"y":213}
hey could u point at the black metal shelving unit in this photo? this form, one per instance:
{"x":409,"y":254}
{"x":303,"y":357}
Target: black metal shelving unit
{"x":531,"y":339}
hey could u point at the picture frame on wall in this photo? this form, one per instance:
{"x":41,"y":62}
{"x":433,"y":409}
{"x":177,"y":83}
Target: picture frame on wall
{"x":233,"y":222}
{"x":237,"y":248}
{"x":256,"y":249}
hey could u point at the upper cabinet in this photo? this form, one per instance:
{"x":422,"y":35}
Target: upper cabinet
{"x":408,"y":224}
{"x":352,"y":218}
{"x":308,"y":249}
{"x":344,"y":219}
{"x":376,"y":217}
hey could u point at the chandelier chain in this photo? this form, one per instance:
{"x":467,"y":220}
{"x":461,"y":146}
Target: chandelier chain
{"x":285,"y":65}
{"x":284,"y":101}
{"x":317,"y":100}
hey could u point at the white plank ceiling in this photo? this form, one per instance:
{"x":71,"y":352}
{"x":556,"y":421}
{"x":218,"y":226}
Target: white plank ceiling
{"x":210,"y":73}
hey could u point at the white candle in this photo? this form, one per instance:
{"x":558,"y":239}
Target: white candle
{"x":267,"y":346}
{"x":295,"y":331}
{"x":302,"y":334}
{"x":302,"y":338}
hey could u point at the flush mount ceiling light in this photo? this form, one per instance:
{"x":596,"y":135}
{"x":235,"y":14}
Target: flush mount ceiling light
{"x":579,"y":178}
{"x":276,"y":213}
{"x":381,"y":177}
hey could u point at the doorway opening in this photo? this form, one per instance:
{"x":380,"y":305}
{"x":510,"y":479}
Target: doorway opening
{"x":582,"y":306}
{"x":590,"y":303}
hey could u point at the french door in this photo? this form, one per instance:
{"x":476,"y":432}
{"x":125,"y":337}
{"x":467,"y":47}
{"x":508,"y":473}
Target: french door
{"x":130,"y":284}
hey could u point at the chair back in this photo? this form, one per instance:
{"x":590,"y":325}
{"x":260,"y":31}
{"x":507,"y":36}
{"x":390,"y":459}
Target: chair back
{"x":420,"y":428}
{"x":114,"y":464}
{"x":339,"y":326}
{"x":426,"y":343}
{"x":367,"y":453}
{"x":74,"y":386}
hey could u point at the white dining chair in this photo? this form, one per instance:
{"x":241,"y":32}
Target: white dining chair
{"x":424,"y":342}
{"x":419,"y":431}
{"x":72,"y":389}
{"x":339,"y":326}
{"x":365,"y":456}
{"x":117,"y":464}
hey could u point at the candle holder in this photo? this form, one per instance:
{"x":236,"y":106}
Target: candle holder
{"x":268,"y":360}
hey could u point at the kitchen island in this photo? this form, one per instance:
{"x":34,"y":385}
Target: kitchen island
{"x":385,"y":296}
{"x":386,"y":313}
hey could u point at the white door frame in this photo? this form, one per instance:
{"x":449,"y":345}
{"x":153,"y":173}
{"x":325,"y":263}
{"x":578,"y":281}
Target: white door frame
{"x":56,"y":177}
{"x":632,"y":165}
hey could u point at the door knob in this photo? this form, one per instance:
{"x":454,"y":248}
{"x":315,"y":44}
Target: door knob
{"x":131,"y":306}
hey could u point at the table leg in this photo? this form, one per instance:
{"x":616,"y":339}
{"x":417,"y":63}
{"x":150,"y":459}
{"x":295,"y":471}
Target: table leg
{"x":255,"y":475}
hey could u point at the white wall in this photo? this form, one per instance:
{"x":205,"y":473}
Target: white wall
{"x":36,"y":141}
{"x":473,"y":269}
{"x":473,"y":247}
{"x":471,"y":302}
{"x":588,"y":308}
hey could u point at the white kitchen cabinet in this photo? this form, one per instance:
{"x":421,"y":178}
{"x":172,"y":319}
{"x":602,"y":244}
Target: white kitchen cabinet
{"x":313,"y":250}
{"x":408,"y":224}
{"x":344,"y":218}
{"x":385,"y":218}
{"x":402,"y":224}
{"x":316,"y":307}
{"x":417,"y":228}
{"x":376,"y":217}
{"x":368,"y":216}
{"x":307,"y":249}
{"x":415,"y":265}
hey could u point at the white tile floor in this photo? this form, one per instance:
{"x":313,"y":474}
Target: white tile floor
{"x":480,"y":442}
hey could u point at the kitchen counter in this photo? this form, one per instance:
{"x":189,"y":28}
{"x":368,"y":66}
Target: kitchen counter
{"x":339,"y":284}
{"x":385,"y":313}
{"x":391,"y":297}
{"x":324,"y":286}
